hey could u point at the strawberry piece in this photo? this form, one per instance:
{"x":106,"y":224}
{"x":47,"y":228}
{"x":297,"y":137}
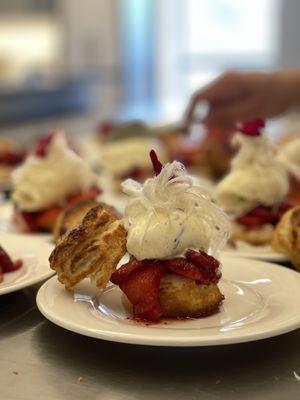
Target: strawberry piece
{"x":181,"y":266}
{"x":86,"y":195}
{"x":44,"y":220}
{"x":157,"y":165}
{"x":42,"y":145}
{"x":263,"y":215}
{"x":142,"y":289}
{"x":6,"y":263}
{"x":1,"y":275}
{"x":12,"y":157}
{"x":202,"y":259}
{"x":251,"y":128}
{"x":124,"y":271}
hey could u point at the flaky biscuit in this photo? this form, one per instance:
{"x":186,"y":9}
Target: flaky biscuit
{"x":92,"y":249}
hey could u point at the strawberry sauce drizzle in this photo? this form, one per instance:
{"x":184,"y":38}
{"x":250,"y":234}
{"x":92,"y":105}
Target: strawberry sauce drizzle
{"x":140,"y":279}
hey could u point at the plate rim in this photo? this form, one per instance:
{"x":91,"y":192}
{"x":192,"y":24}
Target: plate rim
{"x":44,"y":273}
{"x":139,"y":339}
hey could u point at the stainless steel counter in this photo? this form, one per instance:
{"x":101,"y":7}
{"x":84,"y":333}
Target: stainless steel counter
{"x":39,"y":360}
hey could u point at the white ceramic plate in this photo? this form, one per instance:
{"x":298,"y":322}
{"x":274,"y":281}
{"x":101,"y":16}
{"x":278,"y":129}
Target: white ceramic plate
{"x":261,"y":300}
{"x":264,"y":253}
{"x":34,"y":252}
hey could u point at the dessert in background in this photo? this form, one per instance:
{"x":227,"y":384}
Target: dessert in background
{"x":11,"y":155}
{"x":172,"y":232}
{"x":205,"y":153}
{"x":255,"y":191}
{"x":50,"y":179}
{"x":7,"y":265}
{"x":124,"y":152}
{"x":286,"y":237}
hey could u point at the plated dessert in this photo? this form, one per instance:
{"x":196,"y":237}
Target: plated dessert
{"x":51,"y":178}
{"x":172,"y":232}
{"x":255,"y":191}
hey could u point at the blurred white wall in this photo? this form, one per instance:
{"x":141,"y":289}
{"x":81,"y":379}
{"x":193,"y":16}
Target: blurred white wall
{"x":91,"y":44}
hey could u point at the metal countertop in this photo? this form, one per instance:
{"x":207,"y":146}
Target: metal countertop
{"x":39,"y":360}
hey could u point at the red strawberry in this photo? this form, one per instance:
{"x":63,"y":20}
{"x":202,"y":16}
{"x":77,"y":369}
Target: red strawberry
{"x":202,"y":259}
{"x":251,"y":128}
{"x":123,"y":272}
{"x":142,"y":289}
{"x":42,"y":145}
{"x":181,"y":266}
{"x":45,"y":219}
{"x":89,"y":194}
{"x":157,"y":165}
{"x":6,"y":264}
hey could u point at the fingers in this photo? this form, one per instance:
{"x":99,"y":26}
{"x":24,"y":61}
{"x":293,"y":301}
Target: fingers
{"x":227,"y":115}
{"x":225,"y":88}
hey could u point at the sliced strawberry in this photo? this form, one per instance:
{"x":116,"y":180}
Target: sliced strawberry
{"x":123,"y":272}
{"x":251,"y":128}
{"x":202,"y":259}
{"x":142,"y":289}
{"x":6,"y":263}
{"x":89,"y":194}
{"x":42,"y":145}
{"x":263,"y":215}
{"x":181,"y":266}
{"x":44,"y":220}
{"x":157,"y":165}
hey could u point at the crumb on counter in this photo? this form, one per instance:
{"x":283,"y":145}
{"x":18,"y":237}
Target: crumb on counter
{"x":15,"y":372}
{"x":297,"y":377}
{"x":80,"y":379}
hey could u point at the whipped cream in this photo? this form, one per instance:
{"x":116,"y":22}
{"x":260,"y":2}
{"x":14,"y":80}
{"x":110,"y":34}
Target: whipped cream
{"x":169,"y":214}
{"x":121,"y":156}
{"x":43,"y":182}
{"x":257,"y":177}
{"x":289,"y":157}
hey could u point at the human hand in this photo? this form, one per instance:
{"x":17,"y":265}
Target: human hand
{"x":240,"y":96}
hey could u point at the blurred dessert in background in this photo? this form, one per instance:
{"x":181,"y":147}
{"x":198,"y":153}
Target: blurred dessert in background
{"x":255,"y":191}
{"x":122,"y":151}
{"x":51,"y":178}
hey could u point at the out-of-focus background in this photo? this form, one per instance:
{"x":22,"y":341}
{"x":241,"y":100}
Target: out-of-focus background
{"x":71,"y":63}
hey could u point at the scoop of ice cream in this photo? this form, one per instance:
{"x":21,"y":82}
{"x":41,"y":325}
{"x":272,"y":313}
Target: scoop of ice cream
{"x":122,"y":156}
{"x":169,"y":214}
{"x":45,"y":181}
{"x":256,"y":177}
